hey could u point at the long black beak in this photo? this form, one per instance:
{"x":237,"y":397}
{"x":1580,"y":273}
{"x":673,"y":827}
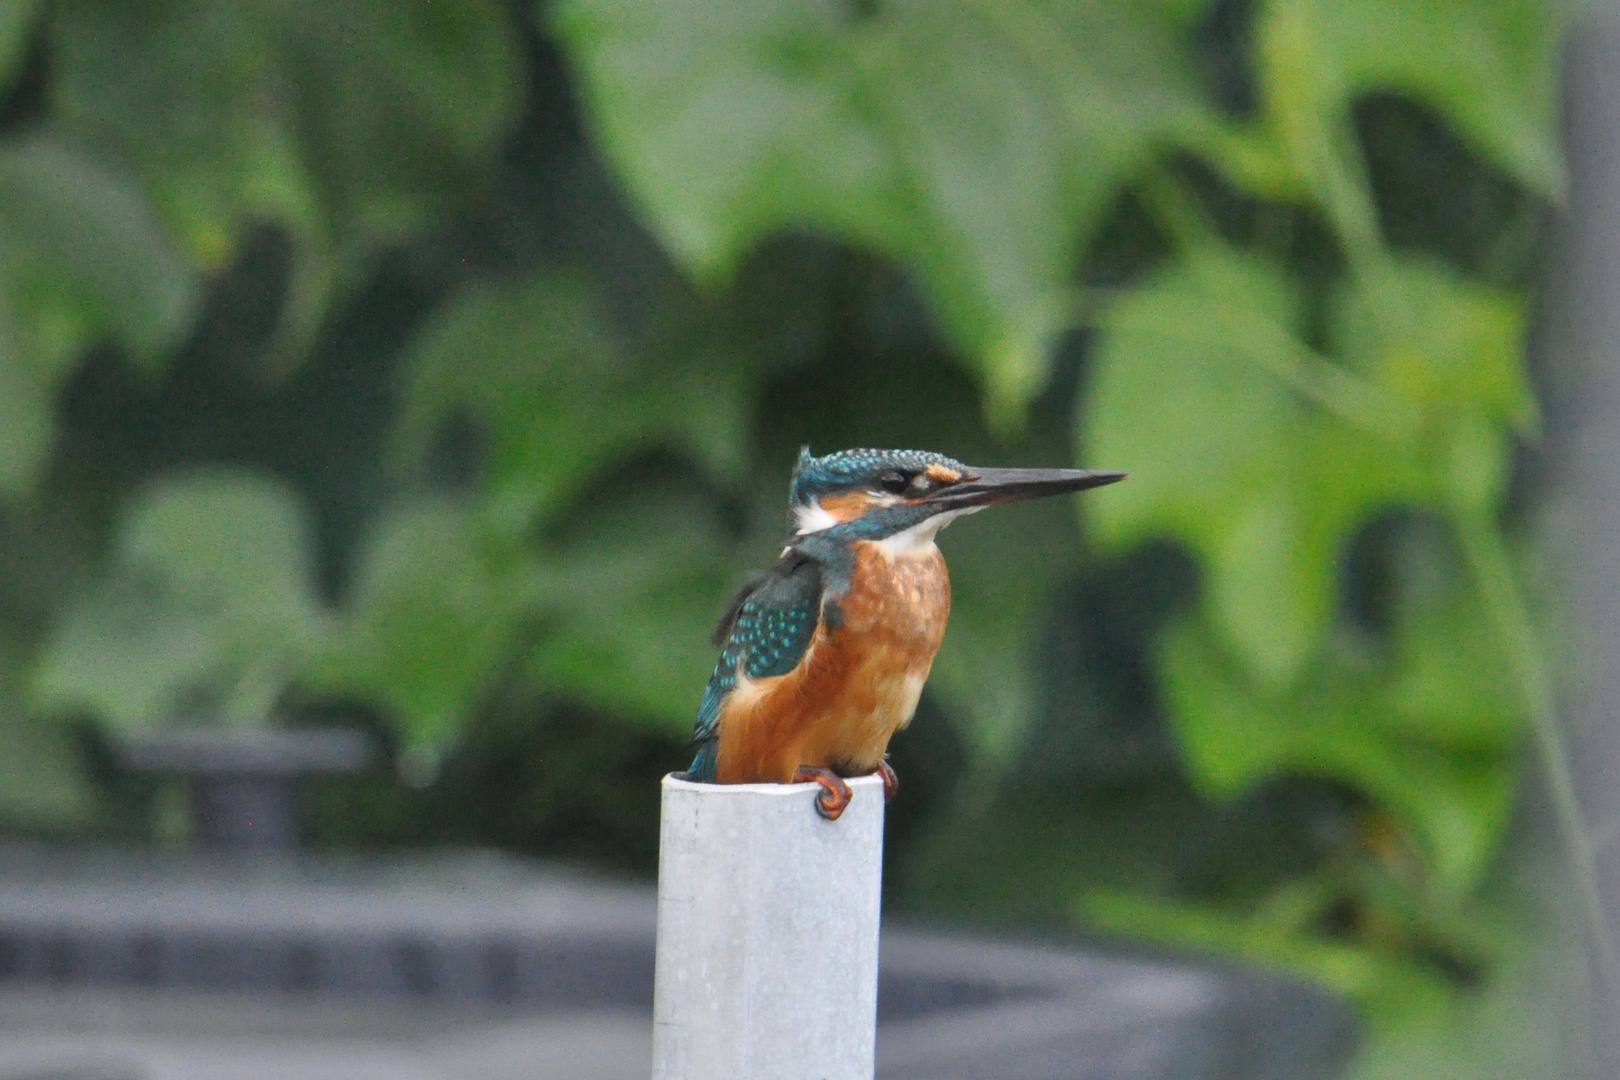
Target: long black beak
{"x":987,"y":487}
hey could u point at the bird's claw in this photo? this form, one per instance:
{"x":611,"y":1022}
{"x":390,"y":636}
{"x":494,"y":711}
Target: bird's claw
{"x":891,"y":782}
{"x":835,"y":794}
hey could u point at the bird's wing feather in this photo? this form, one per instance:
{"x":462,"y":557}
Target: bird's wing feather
{"x":766,"y":631}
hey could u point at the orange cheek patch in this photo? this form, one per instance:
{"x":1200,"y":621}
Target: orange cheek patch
{"x":942,"y":473}
{"x":848,"y":506}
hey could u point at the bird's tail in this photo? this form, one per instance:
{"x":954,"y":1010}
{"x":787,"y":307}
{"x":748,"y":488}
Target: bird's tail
{"x":702,"y":770}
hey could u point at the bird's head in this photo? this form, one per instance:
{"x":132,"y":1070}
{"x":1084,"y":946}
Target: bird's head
{"x":877,"y":494}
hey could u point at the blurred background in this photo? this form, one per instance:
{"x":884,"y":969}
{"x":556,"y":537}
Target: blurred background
{"x":434,"y":371}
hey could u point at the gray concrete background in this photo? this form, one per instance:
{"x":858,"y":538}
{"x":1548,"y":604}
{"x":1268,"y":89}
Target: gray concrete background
{"x":119,"y":964}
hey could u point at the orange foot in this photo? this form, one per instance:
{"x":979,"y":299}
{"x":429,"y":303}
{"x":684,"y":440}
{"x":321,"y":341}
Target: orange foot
{"x":835,"y":795}
{"x":891,"y":782}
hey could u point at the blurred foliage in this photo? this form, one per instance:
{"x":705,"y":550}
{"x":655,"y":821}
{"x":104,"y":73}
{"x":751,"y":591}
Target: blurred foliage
{"x":349,"y":125}
{"x":1269,"y":406}
{"x":205,"y":615}
{"x":338,"y":379}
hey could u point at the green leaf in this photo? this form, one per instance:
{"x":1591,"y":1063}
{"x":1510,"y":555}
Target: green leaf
{"x":427,"y":627}
{"x":561,"y":395}
{"x":188,"y":91}
{"x":1004,"y":567}
{"x":616,"y":610}
{"x":1452,"y":348}
{"x":628,"y":606}
{"x":82,"y":260}
{"x":16,"y":24}
{"x":349,"y":125}
{"x":205,"y":615}
{"x":1517,"y":1024}
{"x":1453,"y":686}
{"x":41,"y":782}
{"x":1263,"y":459}
{"x":1386,"y":982}
{"x":43,"y":785}
{"x":976,"y":141}
{"x":1491,"y":66}
{"x":618,"y":616}
{"x":1203,"y":393}
{"x":88,"y":231}
{"x":401,"y":106}
{"x":1337,"y":726}
{"x":27,"y":409}
{"x":1452,"y":681}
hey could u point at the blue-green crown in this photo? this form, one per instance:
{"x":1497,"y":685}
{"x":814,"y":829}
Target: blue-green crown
{"x":854,"y":470}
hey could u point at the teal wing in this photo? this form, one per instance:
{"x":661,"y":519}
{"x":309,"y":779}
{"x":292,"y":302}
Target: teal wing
{"x":765,"y":632}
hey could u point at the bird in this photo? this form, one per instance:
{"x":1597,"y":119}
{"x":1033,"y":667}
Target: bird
{"x":824,"y":654}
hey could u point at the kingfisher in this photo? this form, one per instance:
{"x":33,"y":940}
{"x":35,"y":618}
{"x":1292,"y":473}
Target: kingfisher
{"x":824,"y":654}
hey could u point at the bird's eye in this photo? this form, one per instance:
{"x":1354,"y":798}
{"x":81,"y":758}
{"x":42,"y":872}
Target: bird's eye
{"x":894,"y":482}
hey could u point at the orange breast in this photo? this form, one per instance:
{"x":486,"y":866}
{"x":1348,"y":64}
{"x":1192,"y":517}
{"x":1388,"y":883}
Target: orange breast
{"x":857,"y":684}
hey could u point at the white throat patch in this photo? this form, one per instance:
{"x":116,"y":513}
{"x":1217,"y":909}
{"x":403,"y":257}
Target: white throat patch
{"x":920,"y":537}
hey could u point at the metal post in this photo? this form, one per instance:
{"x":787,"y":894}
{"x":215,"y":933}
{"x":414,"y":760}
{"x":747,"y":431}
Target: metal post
{"x":244,"y":783}
{"x":767,"y":933}
{"x":1579,"y":345}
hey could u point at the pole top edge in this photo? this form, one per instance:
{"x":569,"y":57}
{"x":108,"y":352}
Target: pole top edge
{"x":678,"y":782}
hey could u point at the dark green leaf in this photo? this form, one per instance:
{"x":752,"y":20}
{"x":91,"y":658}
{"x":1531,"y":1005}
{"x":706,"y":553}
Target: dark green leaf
{"x":1452,"y":348}
{"x":400,"y":105}
{"x":1200,"y":392}
{"x":1452,"y":681}
{"x":628,"y":608}
{"x":1488,"y":65}
{"x":1337,"y":727}
{"x":192,"y":93}
{"x":1005,"y":567}
{"x":81,"y":260}
{"x":561,"y":395}
{"x":975,"y":141}
{"x":348,"y":125}
{"x":1380,"y":980}
{"x":429,"y":625}
{"x":16,"y":24}
{"x":619,"y":617}
{"x":206,"y":614}
{"x":41,"y":783}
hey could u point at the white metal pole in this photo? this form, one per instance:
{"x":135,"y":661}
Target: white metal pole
{"x":767,"y":933}
{"x":1579,"y":342}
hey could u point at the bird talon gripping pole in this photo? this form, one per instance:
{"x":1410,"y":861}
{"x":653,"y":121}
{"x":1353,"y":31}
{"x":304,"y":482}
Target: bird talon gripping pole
{"x":891,"y":782}
{"x":835,"y":794}
{"x":767,"y":919}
